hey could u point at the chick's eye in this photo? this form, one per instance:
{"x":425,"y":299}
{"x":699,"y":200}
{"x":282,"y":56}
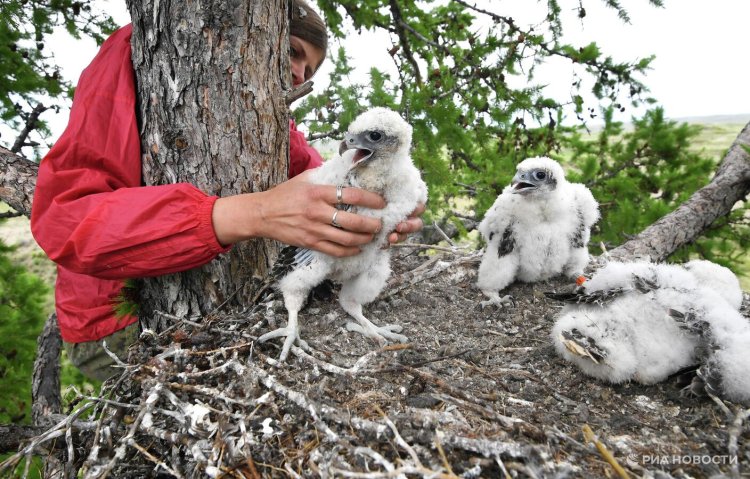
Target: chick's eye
{"x":375,"y":136}
{"x":540,"y":175}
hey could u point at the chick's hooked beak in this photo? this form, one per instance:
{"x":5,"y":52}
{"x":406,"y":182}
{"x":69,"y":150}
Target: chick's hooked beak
{"x":361,"y":154}
{"x":527,"y":181}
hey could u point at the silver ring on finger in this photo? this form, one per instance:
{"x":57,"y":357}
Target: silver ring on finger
{"x":333,"y":220}
{"x":339,"y":194}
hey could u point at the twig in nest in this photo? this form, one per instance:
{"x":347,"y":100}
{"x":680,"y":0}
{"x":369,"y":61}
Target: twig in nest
{"x":125,"y":441}
{"x":734,"y":433}
{"x":722,"y":406}
{"x":118,"y":362}
{"x":442,"y":233}
{"x":400,"y":367}
{"x":399,"y":440}
{"x":358,"y":367}
{"x":502,"y":467}
{"x":423,"y":246}
{"x":376,"y":456}
{"x":159,"y":463}
{"x":54,"y":432}
{"x":296,"y":397}
{"x":591,"y":437}
{"x":439,"y":446}
{"x":429,"y":269}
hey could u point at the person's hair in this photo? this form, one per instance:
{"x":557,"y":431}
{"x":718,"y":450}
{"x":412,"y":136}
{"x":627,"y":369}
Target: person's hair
{"x":306,"y":24}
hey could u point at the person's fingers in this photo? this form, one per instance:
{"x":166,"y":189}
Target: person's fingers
{"x":343,"y":237}
{"x":394,"y":237}
{"x":421,"y":207}
{"x":345,"y":220}
{"x":410,"y":225}
{"x":403,"y":229}
{"x":349,"y":195}
{"x":357,"y":223}
{"x":336,"y":250}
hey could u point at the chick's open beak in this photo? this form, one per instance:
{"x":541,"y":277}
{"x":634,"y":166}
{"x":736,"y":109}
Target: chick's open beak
{"x":521,"y":183}
{"x":360,"y":154}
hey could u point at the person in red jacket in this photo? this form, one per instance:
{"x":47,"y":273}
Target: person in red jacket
{"x":93,"y":217}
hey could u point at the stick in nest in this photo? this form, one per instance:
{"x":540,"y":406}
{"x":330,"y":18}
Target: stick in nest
{"x":591,"y":437}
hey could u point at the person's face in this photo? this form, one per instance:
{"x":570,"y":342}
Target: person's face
{"x":306,"y":58}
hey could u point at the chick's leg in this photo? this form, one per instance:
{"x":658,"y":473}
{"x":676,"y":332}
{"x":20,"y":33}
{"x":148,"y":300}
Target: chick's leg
{"x":579,"y":259}
{"x":290,"y":331}
{"x":295,"y":287}
{"x":495,"y":274}
{"x":361,"y":290}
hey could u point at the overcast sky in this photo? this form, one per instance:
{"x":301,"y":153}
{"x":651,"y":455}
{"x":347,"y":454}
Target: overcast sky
{"x":701,"y":65}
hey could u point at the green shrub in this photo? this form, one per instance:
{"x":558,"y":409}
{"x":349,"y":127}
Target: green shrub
{"x":22,"y":317}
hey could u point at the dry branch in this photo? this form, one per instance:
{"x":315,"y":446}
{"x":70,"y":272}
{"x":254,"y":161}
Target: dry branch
{"x":730,"y":184}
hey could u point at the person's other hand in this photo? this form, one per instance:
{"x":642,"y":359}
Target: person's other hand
{"x":411,"y":224}
{"x":299,"y":213}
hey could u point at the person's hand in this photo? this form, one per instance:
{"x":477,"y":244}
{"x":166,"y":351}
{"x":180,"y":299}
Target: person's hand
{"x":298,"y":213}
{"x":411,"y":224}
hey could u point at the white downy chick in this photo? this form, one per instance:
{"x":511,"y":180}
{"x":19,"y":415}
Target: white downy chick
{"x":643,"y":321}
{"x":374,"y":155}
{"x":538,"y":227}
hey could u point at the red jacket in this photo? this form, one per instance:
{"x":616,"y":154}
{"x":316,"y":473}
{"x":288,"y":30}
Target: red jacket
{"x":93,"y":217}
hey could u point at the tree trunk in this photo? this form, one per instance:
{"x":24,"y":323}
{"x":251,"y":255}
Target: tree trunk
{"x":46,"y":401}
{"x":730,"y":184}
{"x":211,"y":81}
{"x":17,"y":181}
{"x":45,"y":385}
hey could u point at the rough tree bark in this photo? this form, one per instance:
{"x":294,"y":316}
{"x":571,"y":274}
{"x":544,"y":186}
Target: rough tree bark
{"x":45,"y":383}
{"x":46,"y":400}
{"x":730,"y":184}
{"x":212,"y":107}
{"x":17,"y":181}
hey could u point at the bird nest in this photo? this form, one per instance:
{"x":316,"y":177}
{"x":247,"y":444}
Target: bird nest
{"x":475,"y":393}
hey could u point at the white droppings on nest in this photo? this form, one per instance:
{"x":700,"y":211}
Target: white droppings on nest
{"x":267,"y":431}
{"x":622,"y":443}
{"x":199,"y":419}
{"x":330,"y":317}
{"x":644,"y":402}
{"x":458,"y":275}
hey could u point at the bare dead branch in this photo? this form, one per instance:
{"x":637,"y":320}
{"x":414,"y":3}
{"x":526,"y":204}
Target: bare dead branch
{"x":31,"y":124}
{"x":302,"y":90}
{"x":730,"y":184}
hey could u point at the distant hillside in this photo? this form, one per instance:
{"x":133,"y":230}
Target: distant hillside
{"x":715,"y":127}
{"x":713,"y":119}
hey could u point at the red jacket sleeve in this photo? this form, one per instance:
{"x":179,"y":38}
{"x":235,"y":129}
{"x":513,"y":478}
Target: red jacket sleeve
{"x":302,"y":156}
{"x":90,"y":213}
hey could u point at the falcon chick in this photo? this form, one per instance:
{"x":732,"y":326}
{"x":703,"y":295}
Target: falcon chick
{"x":642,"y":321}
{"x":374,"y":155}
{"x":538,"y":227}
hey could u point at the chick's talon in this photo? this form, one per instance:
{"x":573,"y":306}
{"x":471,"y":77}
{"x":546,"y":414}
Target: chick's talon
{"x":496,"y":300}
{"x":380,"y":334}
{"x":292,"y":337}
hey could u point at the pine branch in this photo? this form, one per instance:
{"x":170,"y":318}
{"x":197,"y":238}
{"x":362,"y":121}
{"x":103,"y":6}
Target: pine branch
{"x":31,"y":125}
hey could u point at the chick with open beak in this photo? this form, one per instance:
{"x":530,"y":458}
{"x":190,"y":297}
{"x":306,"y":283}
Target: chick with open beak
{"x":527,"y":181}
{"x":538,"y":227}
{"x":364,"y":145}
